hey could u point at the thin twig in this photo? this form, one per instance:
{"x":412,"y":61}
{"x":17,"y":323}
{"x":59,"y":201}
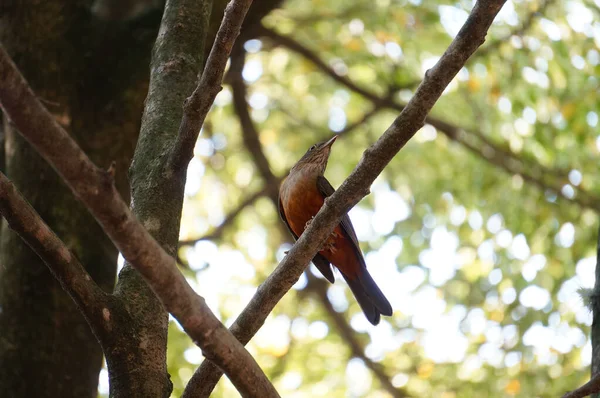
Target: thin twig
{"x":196,"y":107}
{"x":95,"y":188}
{"x":356,"y":186}
{"x":198,"y":386}
{"x":229,"y":219}
{"x":374,"y":111}
{"x":513,"y":166}
{"x":249,"y":132}
{"x":308,"y":54}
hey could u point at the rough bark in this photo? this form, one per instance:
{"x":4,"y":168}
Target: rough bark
{"x":94,"y":85}
{"x":94,"y":80}
{"x":95,"y":188}
{"x":91,"y":301}
{"x":157,"y":196}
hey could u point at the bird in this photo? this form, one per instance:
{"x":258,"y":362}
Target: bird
{"x":301,"y":195}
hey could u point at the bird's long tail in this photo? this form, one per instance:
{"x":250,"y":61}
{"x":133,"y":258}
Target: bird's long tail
{"x":369,"y":296}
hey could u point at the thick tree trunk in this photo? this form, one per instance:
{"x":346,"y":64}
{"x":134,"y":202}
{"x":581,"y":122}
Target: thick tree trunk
{"x":92,"y":74}
{"x":93,"y":78}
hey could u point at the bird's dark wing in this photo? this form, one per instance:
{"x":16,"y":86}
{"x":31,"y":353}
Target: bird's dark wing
{"x":367,"y":293}
{"x":319,"y":261}
{"x":327,"y":190}
{"x":324,"y":266}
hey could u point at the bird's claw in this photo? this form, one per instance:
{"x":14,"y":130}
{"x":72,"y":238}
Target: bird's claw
{"x":331,"y":247}
{"x":330,"y":243}
{"x":309,"y":222}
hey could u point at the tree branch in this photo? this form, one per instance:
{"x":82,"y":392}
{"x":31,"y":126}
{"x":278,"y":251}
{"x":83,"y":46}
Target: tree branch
{"x":249,"y":132}
{"x":229,"y":219}
{"x":308,"y":54}
{"x":198,"y":386}
{"x":486,"y":150}
{"x":196,"y":107}
{"x":356,"y":186}
{"x":319,"y":288}
{"x":156,"y":192}
{"x":95,"y":188}
{"x":515,"y":166}
{"x":64,"y":265}
{"x":589,"y":388}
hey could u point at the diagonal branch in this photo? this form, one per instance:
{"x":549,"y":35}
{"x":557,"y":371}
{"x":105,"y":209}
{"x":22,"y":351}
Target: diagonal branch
{"x":319,"y":288}
{"x":589,"y":388}
{"x":198,"y":386}
{"x":230,"y":217}
{"x":356,"y":186}
{"x":95,"y":188}
{"x":156,"y":192}
{"x":196,"y":107}
{"x":64,"y":265}
{"x":486,"y":149}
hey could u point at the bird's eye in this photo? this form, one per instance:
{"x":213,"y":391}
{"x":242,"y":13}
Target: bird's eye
{"x":313,"y":147}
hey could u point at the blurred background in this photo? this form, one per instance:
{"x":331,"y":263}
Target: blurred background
{"x":480,"y":232}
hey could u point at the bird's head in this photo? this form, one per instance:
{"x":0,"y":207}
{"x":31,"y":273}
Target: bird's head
{"x":315,"y":159}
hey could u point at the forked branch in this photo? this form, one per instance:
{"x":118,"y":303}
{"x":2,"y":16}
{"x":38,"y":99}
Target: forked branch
{"x":95,"y":188}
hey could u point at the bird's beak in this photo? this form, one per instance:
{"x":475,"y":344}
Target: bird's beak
{"x":330,"y":142}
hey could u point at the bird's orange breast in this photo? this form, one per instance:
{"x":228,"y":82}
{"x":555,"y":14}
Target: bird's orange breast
{"x":301,"y":201}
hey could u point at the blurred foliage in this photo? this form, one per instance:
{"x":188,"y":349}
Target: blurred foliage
{"x":481,"y":266}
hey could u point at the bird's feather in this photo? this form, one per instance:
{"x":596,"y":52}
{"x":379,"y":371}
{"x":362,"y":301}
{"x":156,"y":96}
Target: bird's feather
{"x":325,"y":188}
{"x":371,"y":312}
{"x":319,"y":261}
{"x":364,"y":288}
